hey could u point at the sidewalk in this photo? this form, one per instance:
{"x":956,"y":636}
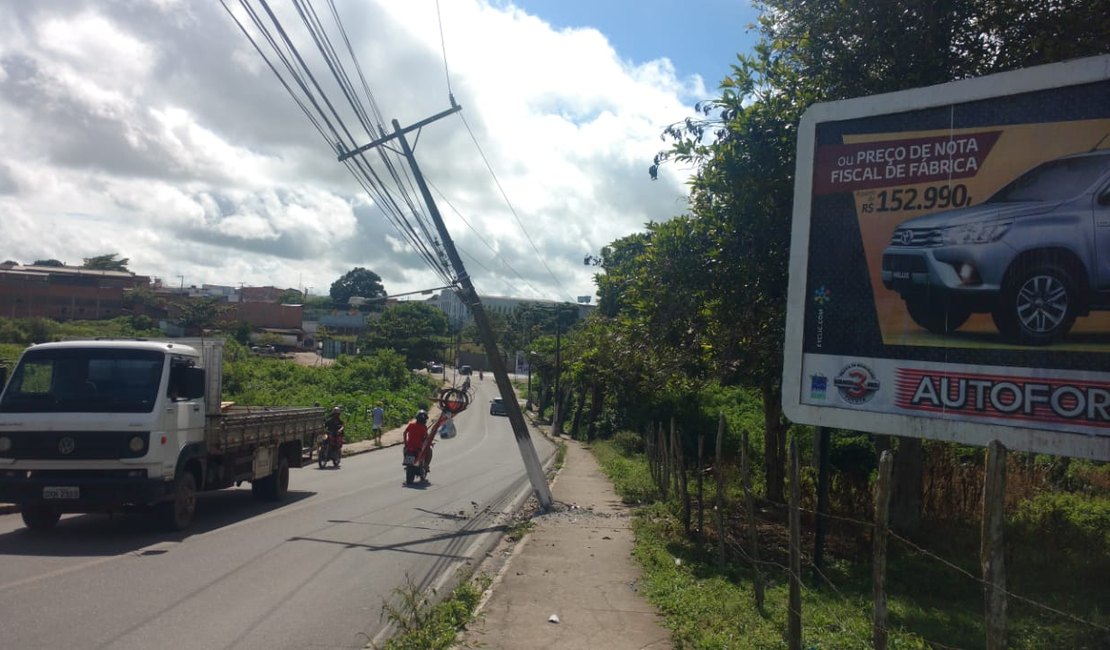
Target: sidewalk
{"x":576,"y":568}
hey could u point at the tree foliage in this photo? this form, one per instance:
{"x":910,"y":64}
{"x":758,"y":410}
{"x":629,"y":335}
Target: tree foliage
{"x":358,"y":282}
{"x":414,"y":329}
{"x":701,"y":298}
{"x":109,"y":262}
{"x":49,"y":262}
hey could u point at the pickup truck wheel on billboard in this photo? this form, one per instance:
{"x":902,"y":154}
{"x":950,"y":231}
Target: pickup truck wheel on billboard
{"x":950,"y":262}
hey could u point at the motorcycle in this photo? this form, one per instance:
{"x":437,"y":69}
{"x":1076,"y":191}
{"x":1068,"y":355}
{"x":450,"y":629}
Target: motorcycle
{"x":330,"y":449}
{"x":415,"y":465}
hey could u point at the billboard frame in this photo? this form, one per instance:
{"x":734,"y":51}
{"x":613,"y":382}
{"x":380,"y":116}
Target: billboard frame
{"x":1020,"y":438}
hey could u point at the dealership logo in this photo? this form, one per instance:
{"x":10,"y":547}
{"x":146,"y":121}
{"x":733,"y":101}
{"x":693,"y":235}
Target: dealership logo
{"x":818,"y":386}
{"x":856,"y":384}
{"x":66,"y":446}
{"x":822,"y":295}
{"x":1044,"y":399}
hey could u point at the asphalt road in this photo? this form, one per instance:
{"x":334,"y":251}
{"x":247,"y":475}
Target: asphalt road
{"x":311,"y":572}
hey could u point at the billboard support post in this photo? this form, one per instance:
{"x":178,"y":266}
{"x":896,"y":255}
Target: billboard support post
{"x":992,"y":546}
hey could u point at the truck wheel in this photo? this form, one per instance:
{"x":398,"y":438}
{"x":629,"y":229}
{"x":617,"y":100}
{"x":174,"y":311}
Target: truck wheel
{"x":40,"y":517}
{"x":275,"y":486}
{"x":935,"y":314}
{"x":177,"y":513}
{"x":1036,"y":306}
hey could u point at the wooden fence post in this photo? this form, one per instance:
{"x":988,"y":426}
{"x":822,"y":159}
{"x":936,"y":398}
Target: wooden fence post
{"x":749,"y":503}
{"x":682,"y":489}
{"x":878,"y":541}
{"x":701,"y":481}
{"x":821,"y":523}
{"x":665,"y":450}
{"x":991,"y":550}
{"x":720,"y":472}
{"x":794,"y":614}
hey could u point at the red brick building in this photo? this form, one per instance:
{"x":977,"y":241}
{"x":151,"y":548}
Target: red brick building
{"x":64,"y":292}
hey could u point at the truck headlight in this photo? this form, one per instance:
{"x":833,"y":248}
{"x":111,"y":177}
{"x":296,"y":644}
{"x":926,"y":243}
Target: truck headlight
{"x":5,"y":443}
{"x":136,"y":444}
{"x":975,"y":233}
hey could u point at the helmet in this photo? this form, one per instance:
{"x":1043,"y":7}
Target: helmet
{"x":421,"y":416}
{"x":335,"y":409}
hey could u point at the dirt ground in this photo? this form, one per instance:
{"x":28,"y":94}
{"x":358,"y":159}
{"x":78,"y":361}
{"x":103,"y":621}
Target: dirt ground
{"x":311,"y":359}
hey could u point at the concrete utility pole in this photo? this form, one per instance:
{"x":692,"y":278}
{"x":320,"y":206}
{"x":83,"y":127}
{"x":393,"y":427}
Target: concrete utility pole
{"x":469,"y":296}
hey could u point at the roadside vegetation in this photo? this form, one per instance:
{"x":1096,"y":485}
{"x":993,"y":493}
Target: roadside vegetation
{"x":356,"y":384}
{"x":424,"y":623}
{"x":1058,"y":563}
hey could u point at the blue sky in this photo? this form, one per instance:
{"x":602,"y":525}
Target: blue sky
{"x":698,"y":37}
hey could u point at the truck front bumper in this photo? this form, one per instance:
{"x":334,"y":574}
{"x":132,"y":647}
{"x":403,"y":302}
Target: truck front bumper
{"x":81,"y":491}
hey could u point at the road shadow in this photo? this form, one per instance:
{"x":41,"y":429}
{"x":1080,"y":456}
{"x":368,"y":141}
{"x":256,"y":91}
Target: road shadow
{"x":95,"y":534}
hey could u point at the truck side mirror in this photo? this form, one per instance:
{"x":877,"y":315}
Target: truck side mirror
{"x":194,"y":383}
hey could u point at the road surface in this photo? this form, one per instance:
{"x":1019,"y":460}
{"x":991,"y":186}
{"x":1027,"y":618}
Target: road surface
{"x":310,"y":572}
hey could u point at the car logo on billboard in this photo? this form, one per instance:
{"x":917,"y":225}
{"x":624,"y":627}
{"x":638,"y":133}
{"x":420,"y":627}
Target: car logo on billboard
{"x":905,"y":237}
{"x":66,"y":445}
{"x":856,"y":383}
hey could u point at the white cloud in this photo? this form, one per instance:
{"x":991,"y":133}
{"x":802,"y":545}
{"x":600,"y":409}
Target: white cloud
{"x":153,"y":130}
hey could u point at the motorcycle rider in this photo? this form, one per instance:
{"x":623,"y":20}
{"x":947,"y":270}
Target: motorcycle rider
{"x":334,"y":426}
{"x":415,"y":433}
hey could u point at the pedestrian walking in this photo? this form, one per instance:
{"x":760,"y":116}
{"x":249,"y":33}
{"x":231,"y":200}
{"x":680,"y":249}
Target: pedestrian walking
{"x":377,"y":415}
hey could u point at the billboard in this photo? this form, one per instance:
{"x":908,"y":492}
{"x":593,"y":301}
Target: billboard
{"x":950,"y":262}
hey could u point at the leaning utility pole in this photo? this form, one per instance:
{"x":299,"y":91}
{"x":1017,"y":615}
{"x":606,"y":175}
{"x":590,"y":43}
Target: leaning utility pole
{"x":470,"y":298}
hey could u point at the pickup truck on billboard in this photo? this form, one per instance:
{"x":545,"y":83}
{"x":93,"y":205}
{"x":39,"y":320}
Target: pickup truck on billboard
{"x":950,"y":262}
{"x":1035,"y":255}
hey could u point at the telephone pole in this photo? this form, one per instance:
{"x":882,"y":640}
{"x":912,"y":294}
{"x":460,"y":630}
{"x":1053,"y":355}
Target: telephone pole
{"x":469,"y":297}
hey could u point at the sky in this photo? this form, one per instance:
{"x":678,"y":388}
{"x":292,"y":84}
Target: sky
{"x":152,"y":129}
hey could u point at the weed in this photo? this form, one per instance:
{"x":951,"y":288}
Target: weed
{"x":517,"y":531}
{"x":422,"y":623}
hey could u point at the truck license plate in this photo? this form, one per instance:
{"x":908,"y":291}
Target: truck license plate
{"x":63,"y":492}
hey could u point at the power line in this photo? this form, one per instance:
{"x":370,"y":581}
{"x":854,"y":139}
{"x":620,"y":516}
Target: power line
{"x":509,"y":203}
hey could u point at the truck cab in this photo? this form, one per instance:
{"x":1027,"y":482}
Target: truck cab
{"x":91,"y":426}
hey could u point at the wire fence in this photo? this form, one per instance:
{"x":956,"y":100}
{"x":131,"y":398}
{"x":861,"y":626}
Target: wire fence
{"x":670,"y":468}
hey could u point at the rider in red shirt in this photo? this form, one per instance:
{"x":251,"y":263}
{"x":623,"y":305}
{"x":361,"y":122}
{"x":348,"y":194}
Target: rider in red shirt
{"x":415,"y":433}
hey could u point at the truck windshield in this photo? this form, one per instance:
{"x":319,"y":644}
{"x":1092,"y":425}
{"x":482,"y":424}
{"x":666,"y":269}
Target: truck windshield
{"x":84,"y":381}
{"x":1056,"y":180}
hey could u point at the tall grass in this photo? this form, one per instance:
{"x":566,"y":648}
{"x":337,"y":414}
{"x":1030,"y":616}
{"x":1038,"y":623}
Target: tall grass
{"x":1058,"y":569}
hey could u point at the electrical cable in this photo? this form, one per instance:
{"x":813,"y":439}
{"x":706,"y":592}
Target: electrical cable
{"x":509,"y":203}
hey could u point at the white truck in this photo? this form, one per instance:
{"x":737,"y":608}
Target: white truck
{"x":108,"y":425}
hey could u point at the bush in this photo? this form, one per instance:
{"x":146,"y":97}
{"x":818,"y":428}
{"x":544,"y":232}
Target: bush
{"x":628,"y":443}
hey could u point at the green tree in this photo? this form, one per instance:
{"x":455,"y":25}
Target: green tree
{"x":744,"y":148}
{"x":49,"y":262}
{"x":358,"y":282}
{"x":196,"y":314}
{"x":291,"y":297}
{"x":414,"y":329}
{"x":850,"y":48}
{"x":105,"y":263}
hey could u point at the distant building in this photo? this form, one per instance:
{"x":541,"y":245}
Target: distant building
{"x":458,"y":313}
{"x":261,"y":294}
{"x":64,"y":292}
